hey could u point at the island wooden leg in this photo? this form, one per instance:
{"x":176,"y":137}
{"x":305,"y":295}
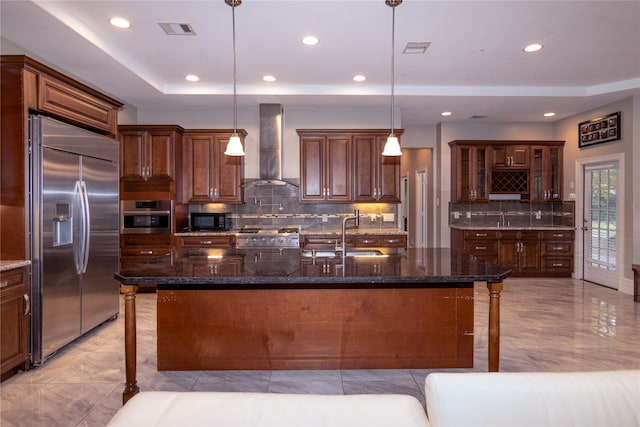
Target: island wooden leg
{"x":494,"y":325}
{"x":131,"y":384}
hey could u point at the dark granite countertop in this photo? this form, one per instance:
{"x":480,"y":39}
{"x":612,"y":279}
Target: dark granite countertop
{"x":287,"y":268}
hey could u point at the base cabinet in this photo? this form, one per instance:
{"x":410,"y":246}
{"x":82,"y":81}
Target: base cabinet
{"x":139,"y":248}
{"x":543,"y":253}
{"x":14,"y":319}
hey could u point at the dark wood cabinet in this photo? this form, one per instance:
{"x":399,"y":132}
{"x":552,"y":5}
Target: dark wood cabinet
{"x":365,"y":240}
{"x":325,"y":167}
{"x":138,"y":248}
{"x":14,"y":319}
{"x":530,"y":170}
{"x":347,"y":166}
{"x":519,"y":251}
{"x":510,"y":156}
{"x":470,"y":172}
{"x":149,"y":158}
{"x":545,"y":253}
{"x":376,"y":177}
{"x":546,"y":173}
{"x":210,"y":176}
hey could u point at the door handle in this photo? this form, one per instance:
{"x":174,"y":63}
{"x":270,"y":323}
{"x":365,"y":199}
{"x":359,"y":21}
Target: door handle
{"x":87,"y":227}
{"x":27,"y":306}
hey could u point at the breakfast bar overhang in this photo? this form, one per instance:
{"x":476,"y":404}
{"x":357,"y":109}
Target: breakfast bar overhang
{"x":287,"y":309}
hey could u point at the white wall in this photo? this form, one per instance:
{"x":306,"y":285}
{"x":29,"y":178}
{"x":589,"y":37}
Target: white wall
{"x":628,"y":224}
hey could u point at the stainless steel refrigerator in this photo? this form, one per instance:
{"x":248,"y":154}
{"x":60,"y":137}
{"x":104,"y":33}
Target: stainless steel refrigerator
{"x":73,"y":184}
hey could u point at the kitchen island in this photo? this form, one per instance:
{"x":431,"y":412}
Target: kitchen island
{"x":295,"y":309}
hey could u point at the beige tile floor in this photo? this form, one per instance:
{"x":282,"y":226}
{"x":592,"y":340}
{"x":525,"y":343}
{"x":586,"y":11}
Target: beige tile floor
{"x":547,"y":325}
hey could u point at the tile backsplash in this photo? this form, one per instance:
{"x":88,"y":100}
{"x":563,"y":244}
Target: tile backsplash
{"x":273,"y":206}
{"x":512,"y":214}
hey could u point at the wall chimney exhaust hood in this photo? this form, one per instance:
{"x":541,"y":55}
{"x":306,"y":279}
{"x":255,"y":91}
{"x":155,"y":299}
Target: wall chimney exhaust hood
{"x":271,"y":138}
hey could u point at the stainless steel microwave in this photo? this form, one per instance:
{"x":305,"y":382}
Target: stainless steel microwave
{"x":209,"y":221}
{"x":145,"y":216}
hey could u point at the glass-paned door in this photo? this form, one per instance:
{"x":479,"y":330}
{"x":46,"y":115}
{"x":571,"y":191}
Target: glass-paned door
{"x":600,"y":226}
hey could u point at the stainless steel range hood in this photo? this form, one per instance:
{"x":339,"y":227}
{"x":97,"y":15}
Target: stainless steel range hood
{"x":271,"y":131}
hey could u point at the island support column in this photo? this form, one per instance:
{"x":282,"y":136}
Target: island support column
{"x":131,"y":384}
{"x":494,"y":325}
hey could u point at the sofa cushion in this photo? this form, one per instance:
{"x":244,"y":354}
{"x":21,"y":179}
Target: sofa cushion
{"x":610,"y":398}
{"x":268,"y":409}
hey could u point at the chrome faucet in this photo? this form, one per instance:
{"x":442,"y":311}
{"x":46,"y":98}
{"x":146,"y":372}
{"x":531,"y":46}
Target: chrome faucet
{"x":356,"y":218}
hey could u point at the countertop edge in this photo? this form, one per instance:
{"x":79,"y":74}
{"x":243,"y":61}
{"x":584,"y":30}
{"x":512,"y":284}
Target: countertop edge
{"x":512,"y":228}
{"x":6,"y":265}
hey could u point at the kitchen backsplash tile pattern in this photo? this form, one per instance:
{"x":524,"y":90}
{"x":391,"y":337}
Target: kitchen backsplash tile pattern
{"x":512,"y":214}
{"x":273,"y":206}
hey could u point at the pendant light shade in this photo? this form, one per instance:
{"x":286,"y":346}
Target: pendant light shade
{"x":392,"y":146}
{"x":234,"y":146}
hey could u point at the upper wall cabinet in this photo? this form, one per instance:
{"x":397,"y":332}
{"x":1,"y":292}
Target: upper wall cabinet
{"x":325,"y":167}
{"x":148,"y":156}
{"x":510,"y":156}
{"x":347,"y":166}
{"x":210,"y":176}
{"x":504,"y":170}
{"x":470,"y":181}
{"x":377,"y":177}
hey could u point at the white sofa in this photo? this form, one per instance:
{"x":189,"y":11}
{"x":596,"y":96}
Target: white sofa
{"x":172,"y":409}
{"x":570,"y":399}
{"x":578,"y":399}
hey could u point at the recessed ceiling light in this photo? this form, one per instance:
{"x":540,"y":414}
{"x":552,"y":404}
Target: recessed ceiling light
{"x":359,"y":78}
{"x":549,"y":114}
{"x":446,"y":113}
{"x":120,"y":22}
{"x":533,"y":47}
{"x":192,"y":78}
{"x":416,"y":47}
{"x":310,"y":40}
{"x":269,"y":78}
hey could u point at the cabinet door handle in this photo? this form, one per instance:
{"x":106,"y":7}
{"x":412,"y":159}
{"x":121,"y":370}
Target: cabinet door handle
{"x":557,"y":264}
{"x":481,"y":234}
{"x":146,"y":252}
{"x":27,"y":306}
{"x":558,"y":248}
{"x":206,"y":242}
{"x":4,"y":284}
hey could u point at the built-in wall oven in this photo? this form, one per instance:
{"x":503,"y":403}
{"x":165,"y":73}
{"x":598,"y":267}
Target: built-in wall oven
{"x":145,"y":216}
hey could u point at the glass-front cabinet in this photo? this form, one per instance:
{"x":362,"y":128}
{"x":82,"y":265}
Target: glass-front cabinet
{"x":546,"y":173}
{"x":472,"y":177}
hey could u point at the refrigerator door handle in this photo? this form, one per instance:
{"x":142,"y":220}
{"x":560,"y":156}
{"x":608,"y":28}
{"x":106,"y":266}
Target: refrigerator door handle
{"x":86,"y":226}
{"x":78,"y":251}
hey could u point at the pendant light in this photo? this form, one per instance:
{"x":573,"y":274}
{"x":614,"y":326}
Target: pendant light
{"x":392,"y":146}
{"x":234,"y":146}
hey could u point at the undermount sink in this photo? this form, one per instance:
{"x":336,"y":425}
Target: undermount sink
{"x":326,"y":253}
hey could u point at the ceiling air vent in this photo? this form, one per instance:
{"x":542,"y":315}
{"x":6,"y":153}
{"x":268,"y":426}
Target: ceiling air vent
{"x":416,"y":47}
{"x":177,"y":29}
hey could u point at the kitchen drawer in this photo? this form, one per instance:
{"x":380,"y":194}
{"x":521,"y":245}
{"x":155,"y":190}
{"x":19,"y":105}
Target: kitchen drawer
{"x":324,"y":241}
{"x":551,"y":264}
{"x":481,"y":248}
{"x":150,"y":251}
{"x":557,"y":248}
{"x":145,"y":240}
{"x":558,"y":235}
{"x":205,"y":241}
{"x":480,"y":234}
{"x":368,"y":241}
{"x":394,"y":241}
{"x":519,"y":235}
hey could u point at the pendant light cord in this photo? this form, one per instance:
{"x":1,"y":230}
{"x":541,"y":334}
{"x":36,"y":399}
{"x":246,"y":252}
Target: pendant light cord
{"x":235,"y":101}
{"x":393,"y":49}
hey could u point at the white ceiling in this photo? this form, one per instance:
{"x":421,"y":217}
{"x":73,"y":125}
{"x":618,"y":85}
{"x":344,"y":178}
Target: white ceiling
{"x":474,"y":66}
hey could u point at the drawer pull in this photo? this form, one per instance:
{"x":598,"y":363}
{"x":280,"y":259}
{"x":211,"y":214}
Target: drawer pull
{"x":206,"y":242}
{"x":558,"y":235}
{"x":557,"y":264}
{"x":481,"y":247}
{"x":481,"y":234}
{"x":367,"y":241}
{"x":4,"y":284}
{"x":146,"y":252}
{"x":393,"y":240}
{"x":558,"y":248}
